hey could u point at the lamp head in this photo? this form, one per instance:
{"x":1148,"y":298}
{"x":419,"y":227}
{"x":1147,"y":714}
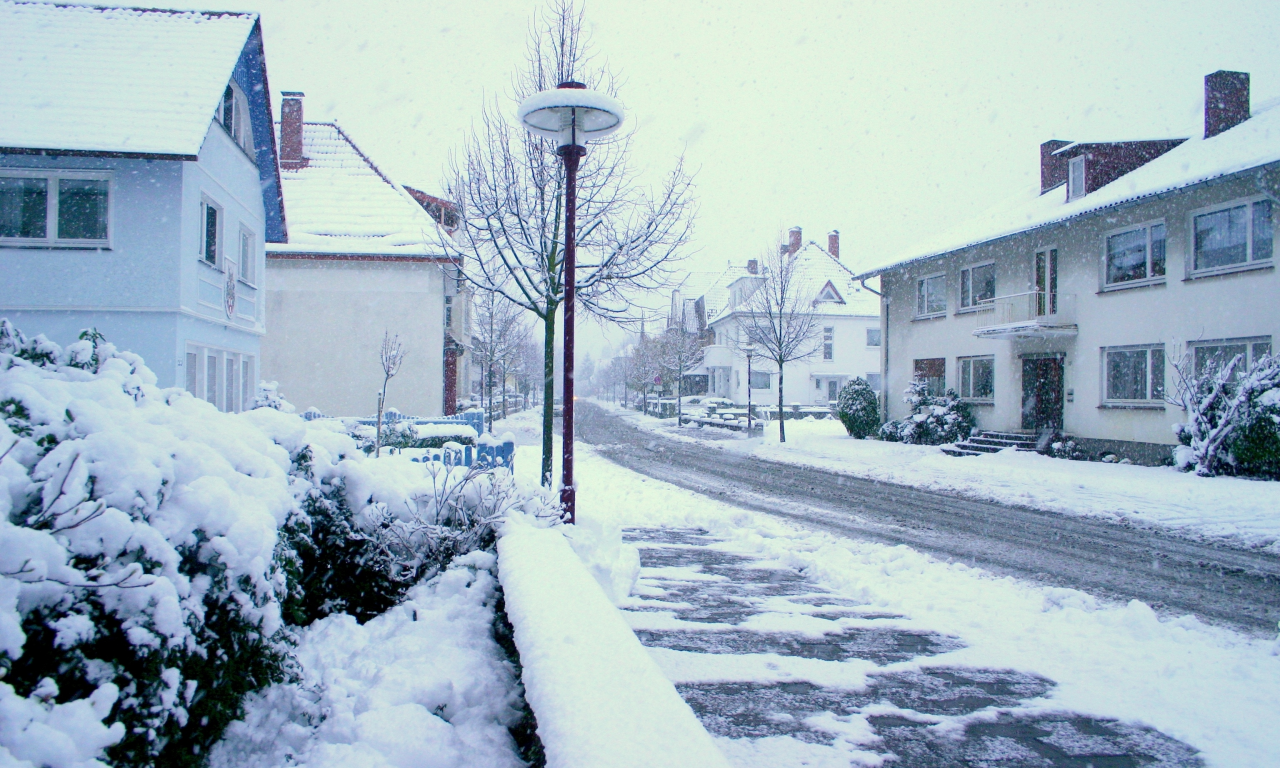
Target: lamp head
{"x":571,"y":114}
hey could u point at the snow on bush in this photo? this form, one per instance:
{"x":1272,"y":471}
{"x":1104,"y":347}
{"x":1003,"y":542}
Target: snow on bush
{"x":153,"y":550}
{"x":1233,"y":418}
{"x":858,"y":408}
{"x":268,"y":396}
{"x":934,"y":420}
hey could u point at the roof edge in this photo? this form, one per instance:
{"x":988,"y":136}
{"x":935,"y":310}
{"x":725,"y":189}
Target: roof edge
{"x":48,"y":151}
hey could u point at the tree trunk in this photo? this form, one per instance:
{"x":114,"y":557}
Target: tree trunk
{"x":377,"y":429}
{"x":504,"y":390}
{"x":782,"y":420}
{"x":548,"y":390}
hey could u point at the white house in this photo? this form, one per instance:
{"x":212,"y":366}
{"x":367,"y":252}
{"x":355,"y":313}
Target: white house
{"x":363,"y":257}
{"x":848,"y":321}
{"x":1068,"y":309}
{"x":138,"y":184}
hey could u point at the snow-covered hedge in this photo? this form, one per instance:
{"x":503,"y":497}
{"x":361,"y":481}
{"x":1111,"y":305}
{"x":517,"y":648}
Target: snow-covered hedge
{"x":154,"y":551}
{"x":934,"y":419}
{"x":1233,"y":418}
{"x":858,"y":408}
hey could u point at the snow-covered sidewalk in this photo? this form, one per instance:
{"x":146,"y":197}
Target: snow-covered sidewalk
{"x":1211,"y":688}
{"x":1244,"y":513}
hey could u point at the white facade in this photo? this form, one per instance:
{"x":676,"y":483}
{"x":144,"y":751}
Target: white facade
{"x":123,"y":239}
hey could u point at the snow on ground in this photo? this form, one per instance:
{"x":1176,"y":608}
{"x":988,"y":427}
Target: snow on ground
{"x":1240,"y":512}
{"x":424,"y":685}
{"x":1214,"y":689}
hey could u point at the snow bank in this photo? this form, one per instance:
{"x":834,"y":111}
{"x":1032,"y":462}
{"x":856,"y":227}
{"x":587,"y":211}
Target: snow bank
{"x":422,"y":685}
{"x":599,"y":698}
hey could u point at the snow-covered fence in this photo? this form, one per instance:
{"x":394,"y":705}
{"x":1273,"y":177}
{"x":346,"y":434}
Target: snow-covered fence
{"x":473,"y":418}
{"x":599,"y":698}
{"x":488,"y":454}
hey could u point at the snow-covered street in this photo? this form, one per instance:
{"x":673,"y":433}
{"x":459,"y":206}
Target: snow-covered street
{"x":799,"y":647}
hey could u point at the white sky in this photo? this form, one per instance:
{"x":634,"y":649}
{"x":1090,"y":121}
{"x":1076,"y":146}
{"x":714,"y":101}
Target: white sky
{"x":887,"y":121}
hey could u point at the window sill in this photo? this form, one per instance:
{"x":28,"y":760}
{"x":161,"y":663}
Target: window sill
{"x":207,"y":265}
{"x":984,"y":307}
{"x":55,"y":246}
{"x":1150,"y":282}
{"x":1231,"y":270}
{"x":977,"y":402}
{"x":247,"y":284}
{"x":934,"y":316}
{"x":1135,"y":406}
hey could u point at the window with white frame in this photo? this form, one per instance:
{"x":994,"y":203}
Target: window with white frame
{"x":931,"y":296}
{"x":817,"y":384}
{"x":760,"y":379}
{"x":1208,"y":357}
{"x":234,"y":117}
{"x":828,"y":343}
{"x":248,"y":257}
{"x":222,"y":377}
{"x":873,"y":381}
{"x":1136,"y":254}
{"x":1075,"y":177}
{"x":54,"y":208}
{"x":933,"y":372}
{"x":210,"y":232}
{"x":1234,"y":236}
{"x":833,"y":390}
{"x":873,"y":337}
{"x":1133,"y":375}
{"x":977,"y":285}
{"x":978,"y":378}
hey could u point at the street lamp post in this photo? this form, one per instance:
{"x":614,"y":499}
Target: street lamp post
{"x":572,"y":115}
{"x":750,"y":354}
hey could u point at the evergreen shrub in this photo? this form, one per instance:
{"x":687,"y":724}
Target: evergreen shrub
{"x":858,"y":408}
{"x":934,"y":420}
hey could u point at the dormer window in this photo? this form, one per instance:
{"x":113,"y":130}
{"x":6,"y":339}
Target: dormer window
{"x":1075,"y":178}
{"x":234,"y":117}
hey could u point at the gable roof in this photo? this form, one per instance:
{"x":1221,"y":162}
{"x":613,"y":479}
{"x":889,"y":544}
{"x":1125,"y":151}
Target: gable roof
{"x":120,"y":81}
{"x":818,"y":270}
{"x":342,"y":206}
{"x":1252,"y":143}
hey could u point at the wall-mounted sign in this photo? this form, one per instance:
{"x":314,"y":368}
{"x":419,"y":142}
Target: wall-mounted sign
{"x":229,"y":292}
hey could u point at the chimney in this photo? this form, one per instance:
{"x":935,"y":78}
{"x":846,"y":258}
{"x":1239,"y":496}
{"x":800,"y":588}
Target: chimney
{"x":794,"y":244}
{"x":1053,"y":168}
{"x":291,"y":158}
{"x":1226,"y":101}
{"x":753,"y":267}
{"x":833,"y":243}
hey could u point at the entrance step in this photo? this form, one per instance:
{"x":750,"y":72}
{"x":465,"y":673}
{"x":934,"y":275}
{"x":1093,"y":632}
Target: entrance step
{"x":989,"y":441}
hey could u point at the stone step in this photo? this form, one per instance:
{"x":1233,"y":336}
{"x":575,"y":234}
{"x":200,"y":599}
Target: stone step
{"x":957,"y":450}
{"x":999,"y":443}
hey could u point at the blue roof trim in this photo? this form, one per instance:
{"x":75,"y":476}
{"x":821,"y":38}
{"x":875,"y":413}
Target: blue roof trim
{"x":251,"y":74}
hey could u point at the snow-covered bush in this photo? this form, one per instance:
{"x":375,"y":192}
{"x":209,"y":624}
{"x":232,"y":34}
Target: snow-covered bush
{"x":934,"y":420}
{"x":1233,"y":418}
{"x":406,"y":434}
{"x":268,"y":396}
{"x":858,"y":408}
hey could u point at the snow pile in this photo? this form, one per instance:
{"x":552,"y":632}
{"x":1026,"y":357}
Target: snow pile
{"x":599,"y":697}
{"x":614,"y":565}
{"x":424,"y":684}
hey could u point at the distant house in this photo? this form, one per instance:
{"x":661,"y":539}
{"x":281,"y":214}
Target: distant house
{"x":362,"y":257}
{"x":1068,"y":309}
{"x":848,"y":341}
{"x":138,"y":183}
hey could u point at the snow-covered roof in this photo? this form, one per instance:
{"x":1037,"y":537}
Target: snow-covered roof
{"x":1250,"y":144}
{"x":127,"y":80}
{"x":815,"y":270}
{"x":341,"y":204}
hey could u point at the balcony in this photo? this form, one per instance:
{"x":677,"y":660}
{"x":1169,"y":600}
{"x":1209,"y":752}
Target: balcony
{"x":717,"y":356}
{"x":1029,"y":315}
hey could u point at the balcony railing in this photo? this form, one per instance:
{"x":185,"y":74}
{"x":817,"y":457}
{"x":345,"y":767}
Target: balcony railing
{"x":1032,"y":314}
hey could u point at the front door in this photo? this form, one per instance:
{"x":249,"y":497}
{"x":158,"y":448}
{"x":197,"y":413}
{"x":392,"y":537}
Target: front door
{"x":1041,"y":393}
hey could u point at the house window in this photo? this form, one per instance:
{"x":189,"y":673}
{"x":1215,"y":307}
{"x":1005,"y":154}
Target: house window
{"x":873,"y":337}
{"x":1210,"y":356}
{"x":246,"y":382}
{"x":1136,"y":254}
{"x":54,"y":208}
{"x":978,"y":378}
{"x":977,"y":285}
{"x":873,"y":381}
{"x":211,"y":378}
{"x":1075,"y":178}
{"x":193,"y":363}
{"x":209,"y":232}
{"x":933,"y":372}
{"x":1134,"y":374}
{"x":760,"y":379}
{"x":1234,"y":236}
{"x":828,"y":343}
{"x":234,"y":117}
{"x":931,"y":296}
{"x":817,"y":384}
{"x":248,"y":257}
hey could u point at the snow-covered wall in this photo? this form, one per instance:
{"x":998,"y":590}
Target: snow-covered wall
{"x":599,"y":698}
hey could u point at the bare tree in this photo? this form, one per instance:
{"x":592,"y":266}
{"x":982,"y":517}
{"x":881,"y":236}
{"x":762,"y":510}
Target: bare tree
{"x":679,"y":351}
{"x":509,"y":185}
{"x":391,"y":355}
{"x":496,"y":337}
{"x":780,"y":320}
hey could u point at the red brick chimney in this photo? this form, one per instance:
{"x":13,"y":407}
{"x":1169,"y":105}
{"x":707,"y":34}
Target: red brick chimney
{"x":753,"y":267}
{"x":833,"y":243}
{"x":1226,"y":101}
{"x":794,"y":244}
{"x":1053,"y":168}
{"x":291,"y":157}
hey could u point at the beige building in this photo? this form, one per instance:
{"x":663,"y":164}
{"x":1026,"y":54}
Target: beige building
{"x":362,"y":257}
{"x":1069,"y":309}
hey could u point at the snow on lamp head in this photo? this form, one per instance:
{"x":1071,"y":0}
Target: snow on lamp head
{"x":571,"y":114}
